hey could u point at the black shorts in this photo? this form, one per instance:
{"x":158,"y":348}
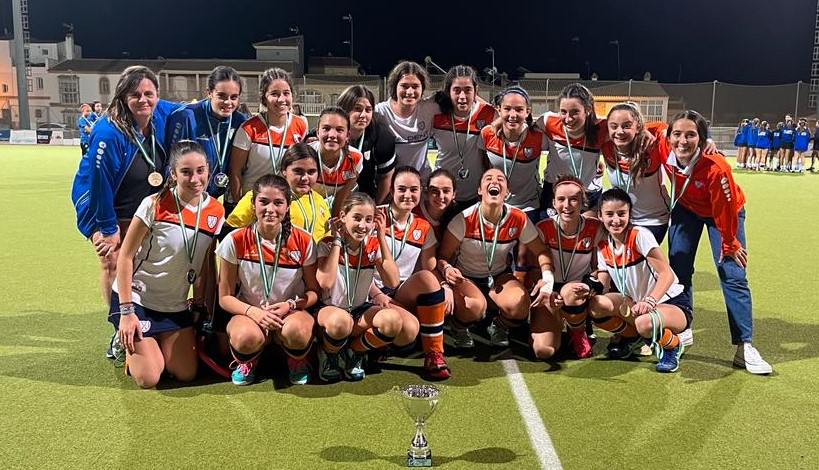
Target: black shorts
{"x":482,"y":283}
{"x":151,"y":321}
{"x":787,"y":145}
{"x":682,"y":305}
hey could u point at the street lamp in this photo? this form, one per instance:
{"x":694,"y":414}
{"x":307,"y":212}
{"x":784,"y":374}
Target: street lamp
{"x":294,"y":30}
{"x":349,"y":17}
{"x":616,"y":42}
{"x":493,"y":71}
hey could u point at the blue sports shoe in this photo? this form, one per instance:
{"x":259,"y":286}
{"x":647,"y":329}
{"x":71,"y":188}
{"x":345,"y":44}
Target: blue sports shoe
{"x":354,"y":364}
{"x":671,"y":359}
{"x":243,"y":374}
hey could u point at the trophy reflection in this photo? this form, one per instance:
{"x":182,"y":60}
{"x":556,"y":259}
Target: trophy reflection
{"x":419,"y":401}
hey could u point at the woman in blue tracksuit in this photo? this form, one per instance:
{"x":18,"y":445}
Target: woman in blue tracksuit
{"x":750,"y":137}
{"x":788,"y":136}
{"x":741,"y":143}
{"x":776,"y":145}
{"x":85,"y":123}
{"x":211,"y":123}
{"x":763,"y":144}
{"x":125,"y":163}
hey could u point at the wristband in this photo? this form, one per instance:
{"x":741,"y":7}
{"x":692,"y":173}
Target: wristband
{"x":649,"y":299}
{"x":443,"y":271}
{"x":127,"y":308}
{"x":292,"y":304}
{"x":338,"y":241}
{"x":247,"y":310}
{"x":548,"y":280}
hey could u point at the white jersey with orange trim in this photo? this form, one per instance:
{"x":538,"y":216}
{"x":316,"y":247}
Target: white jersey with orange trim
{"x":640,"y":278}
{"x":253,"y":137}
{"x":407,"y":251}
{"x":462,"y":141}
{"x":361,"y":276}
{"x":161,"y":265}
{"x":519,"y":161}
{"x":577,"y":156}
{"x":411,"y":134}
{"x":331,"y":179}
{"x":513,"y":227}
{"x":571,"y":253}
{"x":287,"y":281}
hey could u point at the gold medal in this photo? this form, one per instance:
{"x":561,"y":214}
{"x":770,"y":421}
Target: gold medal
{"x":625,"y":310}
{"x":155,"y":179}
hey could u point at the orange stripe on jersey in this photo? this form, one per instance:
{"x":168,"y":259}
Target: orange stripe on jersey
{"x":292,"y":254}
{"x":212,"y":211}
{"x":419,"y":228}
{"x":583,"y":242}
{"x":256,"y":129}
{"x":631,"y":257}
{"x":370,"y":252}
{"x":510,"y":229}
{"x":438,"y":229}
{"x":484,"y":115}
{"x":654,"y":156}
{"x":529,"y":149}
{"x":346,"y":171}
{"x":557,"y":133}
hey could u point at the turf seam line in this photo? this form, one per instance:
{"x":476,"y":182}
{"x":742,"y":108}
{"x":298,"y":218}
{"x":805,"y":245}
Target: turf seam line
{"x":538,"y":435}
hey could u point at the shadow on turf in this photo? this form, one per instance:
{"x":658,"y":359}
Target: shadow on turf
{"x":54,"y":347}
{"x":349,"y":454}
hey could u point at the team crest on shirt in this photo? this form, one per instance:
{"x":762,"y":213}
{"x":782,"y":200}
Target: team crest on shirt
{"x":347,"y":174}
{"x":528,"y":151}
{"x":513,"y":231}
{"x":479,"y":123}
{"x":698,"y":184}
{"x":212,"y":219}
{"x":586,"y":242}
{"x":295,"y":255}
{"x":145,"y":325}
{"x":416,"y":234}
{"x":422,"y":125}
{"x":371,"y":256}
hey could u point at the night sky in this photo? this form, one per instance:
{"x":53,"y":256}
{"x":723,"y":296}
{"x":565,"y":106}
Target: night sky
{"x":748,"y":42}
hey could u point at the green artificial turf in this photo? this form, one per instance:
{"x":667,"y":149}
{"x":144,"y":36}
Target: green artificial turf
{"x":63,"y":405}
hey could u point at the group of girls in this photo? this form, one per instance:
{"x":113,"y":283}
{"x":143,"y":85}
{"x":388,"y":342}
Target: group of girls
{"x":761,"y":148}
{"x":314,"y":257}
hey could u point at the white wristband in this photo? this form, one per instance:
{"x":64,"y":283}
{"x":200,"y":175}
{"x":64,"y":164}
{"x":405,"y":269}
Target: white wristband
{"x":548,"y":282}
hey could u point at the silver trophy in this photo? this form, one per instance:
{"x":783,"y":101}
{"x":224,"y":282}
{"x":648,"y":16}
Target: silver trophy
{"x":419,"y":401}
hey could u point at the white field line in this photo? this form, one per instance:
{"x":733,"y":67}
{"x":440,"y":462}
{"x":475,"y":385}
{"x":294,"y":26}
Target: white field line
{"x":541,"y":441}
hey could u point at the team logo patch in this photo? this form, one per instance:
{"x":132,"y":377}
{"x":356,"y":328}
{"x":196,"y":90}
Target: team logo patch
{"x":528,"y":151}
{"x":366,"y":155}
{"x":212,"y":221}
{"x":295,"y":255}
{"x":698,"y":184}
{"x":347,"y":175}
{"x":371,"y":256}
{"x":321,"y":211}
{"x":422,"y":125}
{"x":416,"y":234}
{"x":230,"y":133}
{"x":144,"y":325}
{"x":102,"y":145}
{"x":479,"y":123}
{"x":586,"y":242}
{"x":513,"y":231}
{"x":178,"y":125}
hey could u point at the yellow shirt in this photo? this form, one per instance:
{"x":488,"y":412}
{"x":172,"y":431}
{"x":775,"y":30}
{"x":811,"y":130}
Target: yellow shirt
{"x":300,"y":211}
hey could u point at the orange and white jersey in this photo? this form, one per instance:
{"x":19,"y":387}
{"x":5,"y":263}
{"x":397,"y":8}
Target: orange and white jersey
{"x":649,"y":195}
{"x":407,"y":251}
{"x":462,"y":140}
{"x":161,"y":265}
{"x":253,"y":137}
{"x":331,"y":179}
{"x":437,"y":228}
{"x":361,"y":276}
{"x":287,"y":281}
{"x":411,"y":133}
{"x":575,"y":156}
{"x":640,"y":278}
{"x":513,"y":227}
{"x":571,"y":254}
{"x":519,"y":161}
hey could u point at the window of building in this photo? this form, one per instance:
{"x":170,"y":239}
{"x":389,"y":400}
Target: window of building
{"x":5,"y":88}
{"x":814,"y":69}
{"x":812,"y":101}
{"x":40,"y":84}
{"x":105,"y":86}
{"x":69,"y":86}
{"x":814,"y":85}
{"x":38,"y":114}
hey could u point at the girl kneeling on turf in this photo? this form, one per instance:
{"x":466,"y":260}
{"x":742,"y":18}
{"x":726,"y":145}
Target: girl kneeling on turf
{"x":274,"y":265}
{"x":161,"y":257}
{"x":572,"y":239}
{"x":346,"y":262}
{"x":483,"y":236}
{"x":413,"y":245}
{"x":648,"y":290}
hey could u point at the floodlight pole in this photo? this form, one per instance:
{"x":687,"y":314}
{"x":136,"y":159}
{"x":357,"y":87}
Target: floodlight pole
{"x":349,"y":17}
{"x":713,"y":99}
{"x":20,"y":64}
{"x":491,"y":50}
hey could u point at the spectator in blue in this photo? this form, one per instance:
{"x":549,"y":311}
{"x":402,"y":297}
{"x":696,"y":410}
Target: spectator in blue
{"x":815,"y":153}
{"x":85,"y":123}
{"x":211,"y":123}
{"x":788,"y":138}
{"x":741,"y":143}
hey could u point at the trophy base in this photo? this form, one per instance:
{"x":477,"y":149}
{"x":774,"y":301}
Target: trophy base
{"x":414,"y":461}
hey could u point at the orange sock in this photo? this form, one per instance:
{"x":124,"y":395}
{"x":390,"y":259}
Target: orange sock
{"x":616,"y":325}
{"x":332,"y":345}
{"x":371,"y":339}
{"x":669,"y":340}
{"x":431,"y":315}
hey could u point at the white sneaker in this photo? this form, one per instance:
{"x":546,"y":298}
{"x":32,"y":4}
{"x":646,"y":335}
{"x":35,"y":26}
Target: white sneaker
{"x":686,"y":337}
{"x":748,"y":357}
